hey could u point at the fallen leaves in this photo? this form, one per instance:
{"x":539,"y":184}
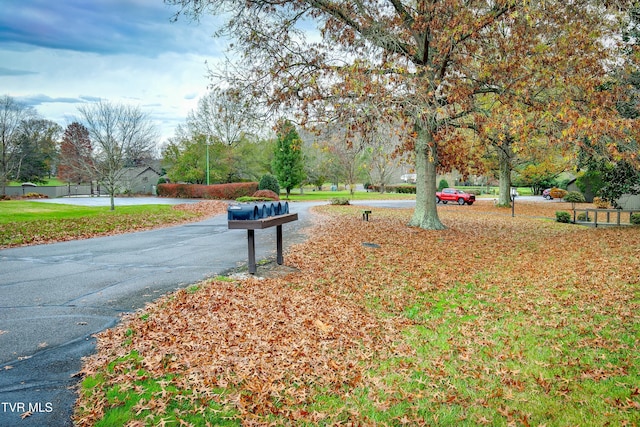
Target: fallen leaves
{"x":476,"y":319}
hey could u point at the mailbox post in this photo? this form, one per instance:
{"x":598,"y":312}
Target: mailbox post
{"x":251,"y":218}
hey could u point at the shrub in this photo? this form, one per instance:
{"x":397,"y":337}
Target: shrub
{"x":557,"y":193}
{"x":583,"y":217}
{"x":403,"y":189}
{"x":339,"y":201}
{"x":635,"y":218}
{"x":600,"y":203}
{"x":265,"y":195}
{"x":269,"y":182}
{"x":562,"y":216}
{"x":35,"y":196}
{"x":198,"y":191}
{"x":443,"y":184}
{"x":574,"y":197}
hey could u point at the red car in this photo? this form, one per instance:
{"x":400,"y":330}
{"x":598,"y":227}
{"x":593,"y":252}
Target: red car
{"x":453,"y":195}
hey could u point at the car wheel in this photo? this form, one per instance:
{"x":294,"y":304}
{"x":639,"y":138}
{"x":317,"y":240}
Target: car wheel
{"x":469,"y":203}
{"x":461,"y":201}
{"x":437,"y":200}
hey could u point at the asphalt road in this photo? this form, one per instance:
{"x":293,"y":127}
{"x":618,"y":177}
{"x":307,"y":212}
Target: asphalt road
{"x":54,"y":297}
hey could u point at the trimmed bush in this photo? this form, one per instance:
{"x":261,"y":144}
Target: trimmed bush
{"x":635,"y":219}
{"x":562,"y":216}
{"x":557,"y":193}
{"x":600,"y":203}
{"x":403,"y":189}
{"x":583,"y":217}
{"x":269,"y":182}
{"x":265,"y":195}
{"x":443,"y":184}
{"x":340,"y":201}
{"x":199,"y":191}
{"x":574,"y":197}
{"x":35,"y":196}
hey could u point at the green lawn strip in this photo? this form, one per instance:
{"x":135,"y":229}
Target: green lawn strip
{"x":49,"y":182}
{"x":33,"y":222}
{"x":357,"y":195}
{"x":17,"y":211}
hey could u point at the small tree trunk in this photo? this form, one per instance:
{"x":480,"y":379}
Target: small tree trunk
{"x":505,"y":155}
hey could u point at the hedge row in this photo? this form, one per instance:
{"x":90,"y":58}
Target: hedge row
{"x":407,"y":189}
{"x":201,"y":191}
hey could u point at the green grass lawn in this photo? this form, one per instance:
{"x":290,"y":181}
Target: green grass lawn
{"x":18,"y":211}
{"x":52,"y":181}
{"x":314,"y":195}
{"x":310,"y":195}
{"x":26,"y":222}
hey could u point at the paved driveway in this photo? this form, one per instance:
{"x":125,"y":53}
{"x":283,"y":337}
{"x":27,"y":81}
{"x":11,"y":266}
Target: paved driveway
{"x":54,"y":297}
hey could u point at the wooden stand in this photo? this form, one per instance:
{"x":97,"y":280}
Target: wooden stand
{"x":259,"y":224}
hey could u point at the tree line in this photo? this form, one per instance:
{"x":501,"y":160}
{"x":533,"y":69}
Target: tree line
{"x":221,"y":142}
{"x":466,"y":85}
{"x":107,"y":138}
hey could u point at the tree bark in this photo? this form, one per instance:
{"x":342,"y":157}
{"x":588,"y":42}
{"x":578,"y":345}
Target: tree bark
{"x":505,"y":155}
{"x":426,"y":214}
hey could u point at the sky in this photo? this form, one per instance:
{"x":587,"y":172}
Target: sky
{"x":56,"y":55}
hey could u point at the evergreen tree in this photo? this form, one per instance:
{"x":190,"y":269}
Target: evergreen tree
{"x":288,"y":162}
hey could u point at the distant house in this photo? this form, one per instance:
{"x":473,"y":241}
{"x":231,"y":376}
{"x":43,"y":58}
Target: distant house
{"x":139,"y":180}
{"x":409,"y":178}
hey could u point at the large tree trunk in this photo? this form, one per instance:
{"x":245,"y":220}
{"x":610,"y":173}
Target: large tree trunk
{"x":505,"y":155}
{"x":426,"y":215}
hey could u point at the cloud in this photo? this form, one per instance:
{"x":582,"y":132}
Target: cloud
{"x":36,"y":100}
{"x":90,"y":98}
{"x":12,"y":72}
{"x":110,"y":27}
{"x":59,"y":54}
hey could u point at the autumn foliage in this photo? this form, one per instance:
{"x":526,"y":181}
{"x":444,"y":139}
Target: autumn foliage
{"x":494,"y":321}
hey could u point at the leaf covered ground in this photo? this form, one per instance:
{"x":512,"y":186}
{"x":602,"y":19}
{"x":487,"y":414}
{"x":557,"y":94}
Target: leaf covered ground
{"x":496,"y":321}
